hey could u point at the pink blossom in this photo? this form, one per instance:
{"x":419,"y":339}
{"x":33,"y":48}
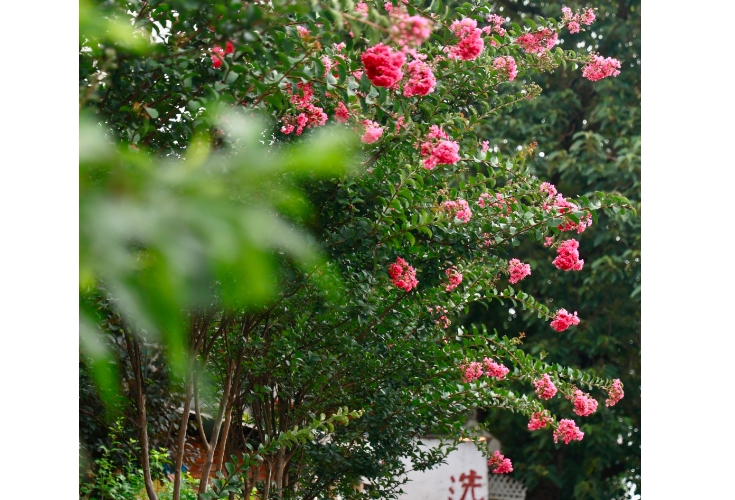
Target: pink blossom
{"x":584,"y":405}
{"x":563,"y":320}
{"x":399,"y":123}
{"x":442,"y":320}
{"x":383,"y":66}
{"x":373,"y":131}
{"x":308,"y":92}
{"x":545,"y":388}
{"x":455,"y":278}
{"x":436,"y":132}
{"x":538,"y":42}
{"x":327,"y":65}
{"x":500,"y":464}
{"x":506,"y":66}
{"x":341,"y":113}
{"x":548,"y":188}
{"x":362,"y":8}
{"x":588,"y":17}
{"x":567,"y":258}
{"x":229,"y":48}
{"x":439,"y":152}
{"x":615,"y":393}
{"x":460,"y":209}
{"x":548,"y":241}
{"x":518,"y":270}
{"x":600,"y":67}
{"x":403,"y":275}
{"x":472,"y":371}
{"x":444,"y":153}
{"x":287,"y":129}
{"x":567,"y":431}
{"x":389,"y":6}
{"x":217,"y":56}
{"x":493,"y":369}
{"x":470,"y":43}
{"x":421,"y":80}
{"x":468,"y":48}
{"x":485,"y":146}
{"x":573,"y":27}
{"x":339,"y":46}
{"x":497,"y":21}
{"x":302,"y":31}
{"x":564,"y":206}
{"x":539,"y":420}
{"x":410,"y":31}
{"x":500,"y":201}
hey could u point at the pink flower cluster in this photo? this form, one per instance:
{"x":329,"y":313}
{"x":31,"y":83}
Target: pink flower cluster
{"x":302,"y":31}
{"x":496,"y":200}
{"x":362,"y":9}
{"x":485,"y":146}
{"x":383,"y":66}
{"x":403,"y":275}
{"x":584,"y":405}
{"x":518,"y":270}
{"x":455,"y":278}
{"x":475,"y":369}
{"x":442,"y":321}
{"x":471,"y":371}
{"x":545,"y":388}
{"x":567,"y":258}
{"x":506,"y":66}
{"x":538,"y":42}
{"x":548,"y":241}
{"x":539,"y":420}
{"x":500,"y":464}
{"x":563,"y":320}
{"x":373,"y":131}
{"x":572,"y":20}
{"x":460,"y":209}
{"x":567,"y":431}
{"x":564,"y":206}
{"x":310,"y":116}
{"x":421,"y":80}
{"x":548,"y":188}
{"x":437,"y":151}
{"x":341,"y":113}
{"x":410,"y":31}
{"x":493,"y":369}
{"x":218,"y":55}
{"x":470,"y":43}
{"x":496,"y":27}
{"x":601,"y":67}
{"x":615,"y":393}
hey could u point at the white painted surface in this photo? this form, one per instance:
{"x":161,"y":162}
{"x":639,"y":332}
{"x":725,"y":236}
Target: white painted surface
{"x":452,"y":480}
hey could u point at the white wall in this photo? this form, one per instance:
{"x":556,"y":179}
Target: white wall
{"x":435,"y":484}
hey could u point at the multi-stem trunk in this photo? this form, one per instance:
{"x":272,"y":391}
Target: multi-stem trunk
{"x":133,"y":347}
{"x":207,"y":466}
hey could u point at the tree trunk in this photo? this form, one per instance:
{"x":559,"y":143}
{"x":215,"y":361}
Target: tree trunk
{"x":136,"y":362}
{"x":225,"y":434}
{"x":181,"y":441}
{"x":207,"y":466}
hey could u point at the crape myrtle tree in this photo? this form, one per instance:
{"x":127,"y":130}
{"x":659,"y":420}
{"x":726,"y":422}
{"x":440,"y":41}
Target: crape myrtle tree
{"x":292,"y":201}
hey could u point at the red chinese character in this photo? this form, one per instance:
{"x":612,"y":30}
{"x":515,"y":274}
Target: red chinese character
{"x":468,"y":481}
